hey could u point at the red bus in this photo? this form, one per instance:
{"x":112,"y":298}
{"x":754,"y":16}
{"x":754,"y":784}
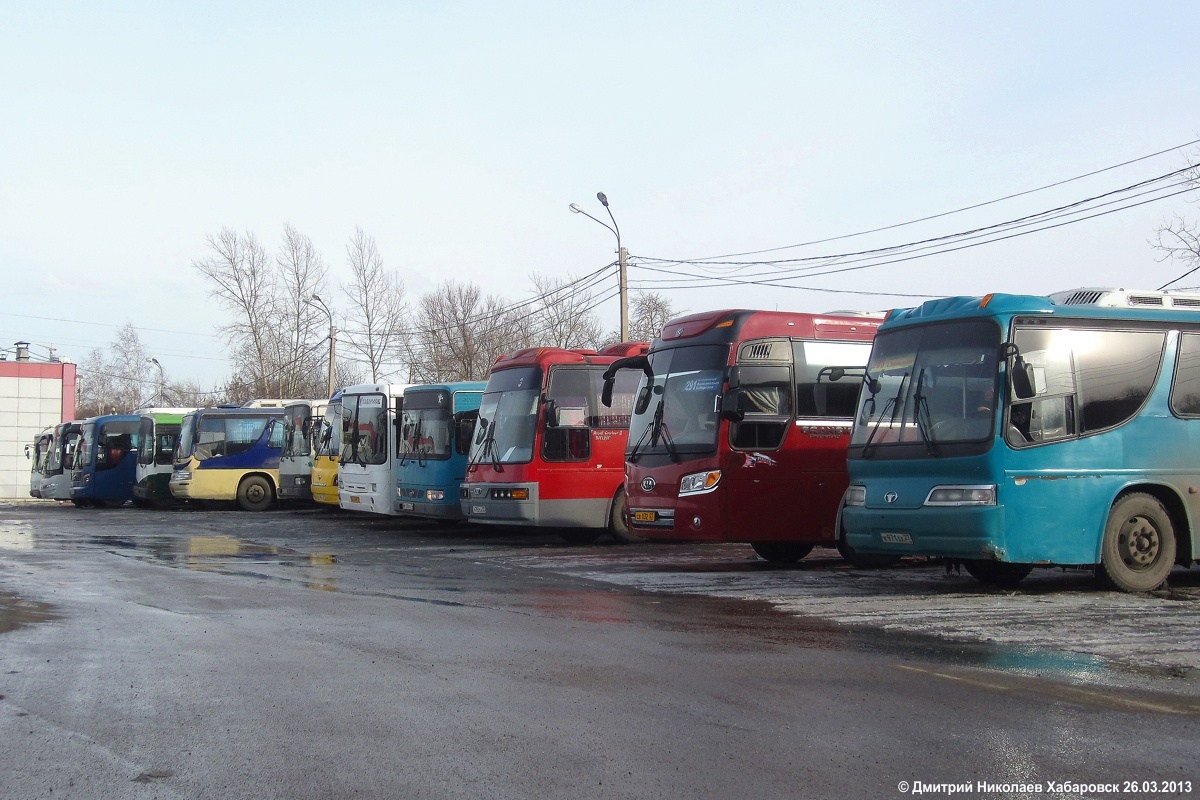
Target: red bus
{"x":740,"y":428}
{"x":545,"y":452}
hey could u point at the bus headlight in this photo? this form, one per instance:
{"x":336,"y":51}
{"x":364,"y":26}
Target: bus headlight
{"x":435,"y":494}
{"x":181,"y":475}
{"x":856,"y":495}
{"x":962,"y":496}
{"x":699,"y":482}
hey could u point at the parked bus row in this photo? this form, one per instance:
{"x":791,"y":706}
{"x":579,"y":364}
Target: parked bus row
{"x":1003,"y":433}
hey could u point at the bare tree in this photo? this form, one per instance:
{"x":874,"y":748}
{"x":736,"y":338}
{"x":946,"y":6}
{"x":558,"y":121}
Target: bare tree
{"x":275,"y":336}
{"x":377,"y":305}
{"x":564,"y":314}
{"x":1179,"y":239}
{"x":118,"y":379}
{"x":460,"y":333}
{"x":649,"y":312}
{"x":243,"y":281}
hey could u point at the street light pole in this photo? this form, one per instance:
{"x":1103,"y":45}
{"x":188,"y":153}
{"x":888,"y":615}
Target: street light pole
{"x":162,"y":382}
{"x":316,"y":301}
{"x":622,"y":260}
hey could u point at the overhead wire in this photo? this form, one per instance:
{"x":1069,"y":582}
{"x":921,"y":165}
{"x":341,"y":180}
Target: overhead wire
{"x":972,"y":207}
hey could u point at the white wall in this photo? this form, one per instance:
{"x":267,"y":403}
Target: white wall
{"x":27,"y":407}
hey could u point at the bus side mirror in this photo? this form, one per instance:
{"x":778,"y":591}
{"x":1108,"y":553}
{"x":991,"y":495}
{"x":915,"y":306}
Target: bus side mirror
{"x":29,"y":456}
{"x":551,"y":413}
{"x":729,"y":406}
{"x":1022,"y":379}
{"x":464,"y":429}
{"x":605,"y":395}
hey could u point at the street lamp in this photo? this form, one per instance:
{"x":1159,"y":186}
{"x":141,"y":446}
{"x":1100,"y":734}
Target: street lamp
{"x":622,"y":259}
{"x":162,"y":381}
{"x":317,"y":302}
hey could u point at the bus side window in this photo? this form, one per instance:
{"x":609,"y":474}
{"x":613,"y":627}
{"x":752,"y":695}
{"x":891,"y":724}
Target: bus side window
{"x":1185,"y":391}
{"x":768,"y":412}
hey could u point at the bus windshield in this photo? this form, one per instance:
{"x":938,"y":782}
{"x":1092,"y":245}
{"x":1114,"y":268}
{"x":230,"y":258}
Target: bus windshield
{"x":364,"y":429}
{"x":327,"y":433}
{"x":425,"y":426}
{"x":507,"y":424}
{"x":676,"y":412}
{"x":296,"y":420}
{"x":187,"y":439}
{"x":929,"y":386}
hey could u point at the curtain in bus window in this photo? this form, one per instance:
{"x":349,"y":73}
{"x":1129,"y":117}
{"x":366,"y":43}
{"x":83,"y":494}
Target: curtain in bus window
{"x":1116,"y":372}
{"x":1185,"y":393}
{"x":241,"y":434}
{"x":116,"y":440}
{"x":210,"y":438}
{"x":765,"y":399}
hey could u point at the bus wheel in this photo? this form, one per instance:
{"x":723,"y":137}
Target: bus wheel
{"x":81,"y":503}
{"x":864,"y":560}
{"x":781,"y":552}
{"x":618,"y":521}
{"x":140,"y":503}
{"x":1138,"y":551}
{"x":580,"y":535}
{"x":997,"y":573}
{"x":254,"y":494}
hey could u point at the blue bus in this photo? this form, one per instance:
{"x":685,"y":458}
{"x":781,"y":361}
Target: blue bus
{"x":1008,"y":432}
{"x":436,"y":423}
{"x":229,"y":454}
{"x":105,"y":466}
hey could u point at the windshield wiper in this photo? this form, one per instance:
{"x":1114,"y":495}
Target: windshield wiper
{"x":489,"y":447}
{"x":661,"y":431}
{"x":922,"y":417}
{"x":892,"y":404}
{"x":633,"y":452}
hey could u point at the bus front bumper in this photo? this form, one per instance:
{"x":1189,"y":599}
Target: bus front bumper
{"x":969,"y":532}
{"x":500,"y":503}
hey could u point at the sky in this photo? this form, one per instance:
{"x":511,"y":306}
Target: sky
{"x":458,"y":133}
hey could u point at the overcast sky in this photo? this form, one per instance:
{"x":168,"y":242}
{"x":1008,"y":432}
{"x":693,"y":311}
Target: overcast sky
{"x":457,"y":133}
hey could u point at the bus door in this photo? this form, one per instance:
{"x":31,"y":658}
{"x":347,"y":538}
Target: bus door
{"x":786,"y":461}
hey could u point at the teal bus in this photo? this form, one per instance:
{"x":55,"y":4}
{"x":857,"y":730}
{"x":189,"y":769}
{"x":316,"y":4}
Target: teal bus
{"x":436,"y":422}
{"x":1008,"y":432}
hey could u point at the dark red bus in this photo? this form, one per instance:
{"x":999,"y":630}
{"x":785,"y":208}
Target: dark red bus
{"x":740,"y":428}
{"x":545,"y":451}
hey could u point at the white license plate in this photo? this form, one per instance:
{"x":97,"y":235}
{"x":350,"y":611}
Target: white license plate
{"x":896,"y":538}
{"x":354,"y":499}
{"x":407,"y":506}
{"x":478,"y":510}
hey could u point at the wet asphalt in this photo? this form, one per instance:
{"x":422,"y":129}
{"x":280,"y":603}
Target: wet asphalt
{"x":315,"y":654}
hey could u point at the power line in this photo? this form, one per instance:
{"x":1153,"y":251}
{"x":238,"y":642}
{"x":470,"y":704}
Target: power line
{"x":949,"y":213}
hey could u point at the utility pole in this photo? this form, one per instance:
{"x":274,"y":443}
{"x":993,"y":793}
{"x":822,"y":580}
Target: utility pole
{"x":622,"y":260}
{"x":315,"y":300}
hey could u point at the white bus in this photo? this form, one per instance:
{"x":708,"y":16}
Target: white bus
{"x":365,"y":470}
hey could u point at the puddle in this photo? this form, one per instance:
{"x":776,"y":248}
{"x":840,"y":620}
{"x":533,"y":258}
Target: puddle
{"x":17,"y":612}
{"x":225,"y":555}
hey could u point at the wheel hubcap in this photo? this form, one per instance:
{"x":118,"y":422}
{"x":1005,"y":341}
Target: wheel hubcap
{"x":1138,"y":543}
{"x":255,"y":493}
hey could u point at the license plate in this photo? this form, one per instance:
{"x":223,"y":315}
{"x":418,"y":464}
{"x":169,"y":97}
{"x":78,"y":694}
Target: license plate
{"x":354,"y":499}
{"x":407,"y":506}
{"x":645,"y":516}
{"x":896,"y":538}
{"x":478,"y":510}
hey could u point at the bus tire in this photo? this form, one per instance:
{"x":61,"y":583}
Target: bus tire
{"x":1138,"y":550}
{"x":255,"y":493}
{"x":618,"y":521}
{"x":81,"y":503}
{"x":139,"y":502}
{"x":781,"y":552}
{"x":997,"y":573}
